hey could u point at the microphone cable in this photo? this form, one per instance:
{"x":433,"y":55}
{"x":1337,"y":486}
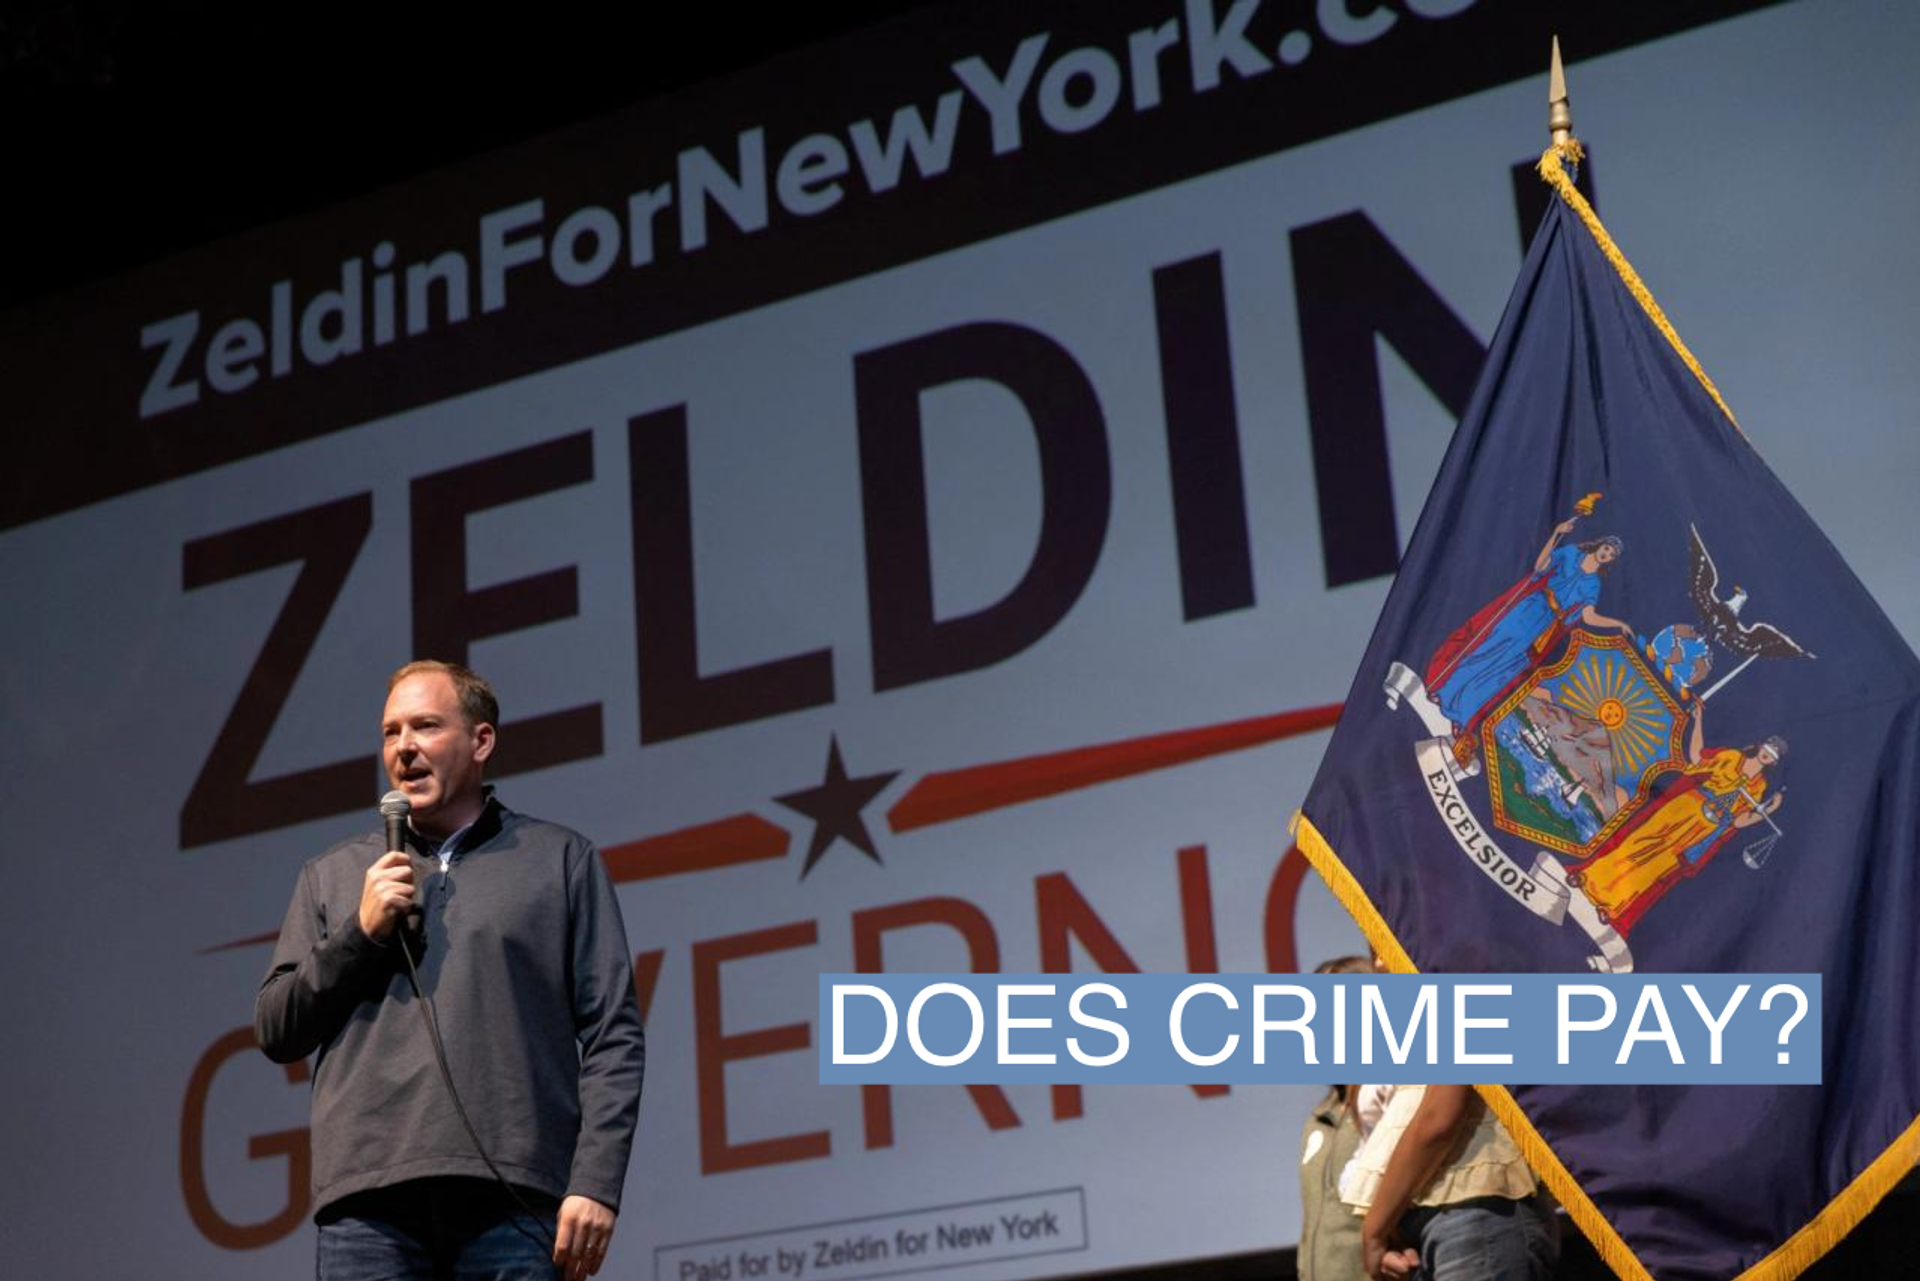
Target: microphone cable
{"x":545,"y":1239}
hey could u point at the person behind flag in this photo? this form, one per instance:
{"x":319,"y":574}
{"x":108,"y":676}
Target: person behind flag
{"x":1329,"y":1232}
{"x":1444,"y":1189}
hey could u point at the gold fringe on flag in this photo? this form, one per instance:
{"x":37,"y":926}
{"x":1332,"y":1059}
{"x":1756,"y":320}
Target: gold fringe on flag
{"x":1794,"y":1255}
{"x":1843,"y":1214}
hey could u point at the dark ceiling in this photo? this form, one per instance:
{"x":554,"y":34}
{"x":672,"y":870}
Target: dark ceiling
{"x":133,"y":131}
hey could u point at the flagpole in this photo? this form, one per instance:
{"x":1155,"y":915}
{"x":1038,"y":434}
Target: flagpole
{"x":1559,"y":111}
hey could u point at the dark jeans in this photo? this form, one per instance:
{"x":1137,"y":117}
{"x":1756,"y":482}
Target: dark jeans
{"x":1487,"y":1239}
{"x":437,"y":1230}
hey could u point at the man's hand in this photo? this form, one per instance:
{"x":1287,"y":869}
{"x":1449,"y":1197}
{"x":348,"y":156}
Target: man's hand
{"x":387,"y":896}
{"x":580,"y":1246}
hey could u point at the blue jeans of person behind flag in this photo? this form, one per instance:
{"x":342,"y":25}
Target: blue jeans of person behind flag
{"x":441,"y":1229}
{"x":1486,"y":1239}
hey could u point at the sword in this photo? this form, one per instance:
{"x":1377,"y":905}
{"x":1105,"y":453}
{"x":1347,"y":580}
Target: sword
{"x":1724,"y":679}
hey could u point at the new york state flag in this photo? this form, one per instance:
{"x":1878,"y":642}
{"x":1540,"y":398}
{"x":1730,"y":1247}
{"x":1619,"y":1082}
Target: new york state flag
{"x":1627,"y":710}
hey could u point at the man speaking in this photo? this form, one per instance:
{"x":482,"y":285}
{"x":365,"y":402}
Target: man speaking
{"x":522,"y":961}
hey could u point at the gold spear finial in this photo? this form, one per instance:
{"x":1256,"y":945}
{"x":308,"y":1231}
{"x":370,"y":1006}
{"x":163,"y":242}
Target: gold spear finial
{"x":1559,"y":113}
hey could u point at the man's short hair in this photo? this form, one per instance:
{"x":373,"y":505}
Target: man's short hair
{"x":477,"y":702}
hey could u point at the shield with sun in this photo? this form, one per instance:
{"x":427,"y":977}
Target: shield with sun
{"x":1573,"y":751}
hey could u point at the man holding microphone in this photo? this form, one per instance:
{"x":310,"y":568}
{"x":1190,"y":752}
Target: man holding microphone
{"x":522,"y":961}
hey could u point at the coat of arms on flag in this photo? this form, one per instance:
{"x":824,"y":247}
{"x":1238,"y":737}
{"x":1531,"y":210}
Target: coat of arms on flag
{"x":1626,"y":709}
{"x":1575,"y":717}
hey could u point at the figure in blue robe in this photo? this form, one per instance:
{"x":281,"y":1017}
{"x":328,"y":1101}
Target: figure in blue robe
{"x":1487,"y":657}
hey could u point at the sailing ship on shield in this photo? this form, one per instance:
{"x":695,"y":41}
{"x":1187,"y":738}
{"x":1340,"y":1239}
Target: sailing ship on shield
{"x":1591,"y":740}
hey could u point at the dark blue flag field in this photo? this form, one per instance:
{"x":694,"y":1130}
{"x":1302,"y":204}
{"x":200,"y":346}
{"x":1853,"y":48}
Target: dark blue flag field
{"x":1627,"y":710}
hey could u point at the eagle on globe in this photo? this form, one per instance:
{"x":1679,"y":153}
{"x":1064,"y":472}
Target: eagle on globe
{"x":1720,"y":618}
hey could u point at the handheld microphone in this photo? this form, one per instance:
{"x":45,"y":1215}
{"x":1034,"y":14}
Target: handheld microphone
{"x":394,"y":808}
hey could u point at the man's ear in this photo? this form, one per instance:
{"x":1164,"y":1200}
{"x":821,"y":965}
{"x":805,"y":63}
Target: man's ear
{"x":483,"y":740}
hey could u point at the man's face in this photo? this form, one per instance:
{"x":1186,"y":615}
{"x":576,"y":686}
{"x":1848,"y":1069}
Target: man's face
{"x":431,"y":753}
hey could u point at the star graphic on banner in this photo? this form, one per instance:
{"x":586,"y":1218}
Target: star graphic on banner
{"x":835,"y":805}
{"x":944,"y":796}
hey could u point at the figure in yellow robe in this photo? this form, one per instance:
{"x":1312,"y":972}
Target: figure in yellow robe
{"x":1679,"y":834}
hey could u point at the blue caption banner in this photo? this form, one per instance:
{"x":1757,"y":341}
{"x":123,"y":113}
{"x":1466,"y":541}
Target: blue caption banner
{"x":1508,"y":1029}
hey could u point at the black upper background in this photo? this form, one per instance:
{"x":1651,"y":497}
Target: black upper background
{"x":132,"y":131}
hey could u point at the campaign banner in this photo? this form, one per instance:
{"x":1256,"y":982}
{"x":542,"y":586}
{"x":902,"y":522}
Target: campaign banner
{"x":960,"y":579}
